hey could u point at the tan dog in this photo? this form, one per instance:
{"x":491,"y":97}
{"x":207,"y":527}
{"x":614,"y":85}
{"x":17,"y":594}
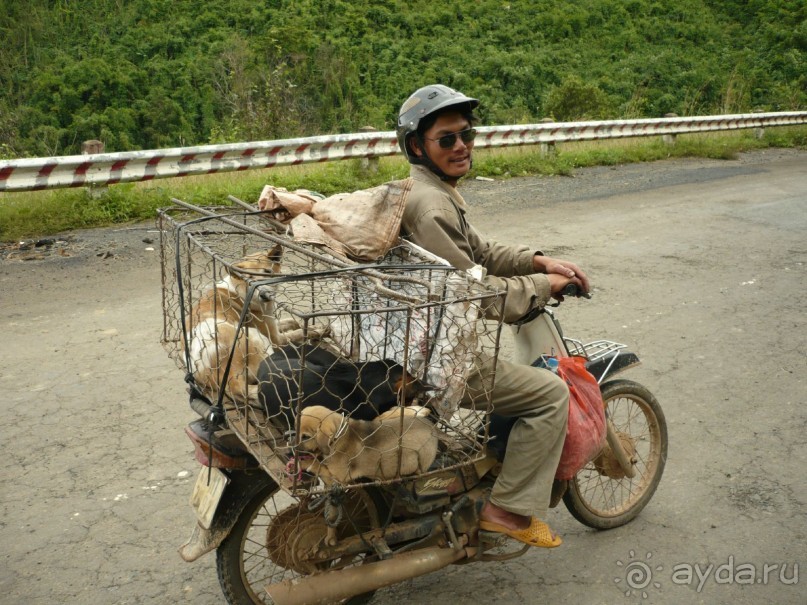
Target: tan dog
{"x":346,"y":450}
{"x":213,"y":322}
{"x":408,"y":411}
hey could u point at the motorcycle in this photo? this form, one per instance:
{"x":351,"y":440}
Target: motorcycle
{"x":283,"y":536}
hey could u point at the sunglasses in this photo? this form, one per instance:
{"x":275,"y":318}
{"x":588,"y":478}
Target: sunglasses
{"x":447,"y":141}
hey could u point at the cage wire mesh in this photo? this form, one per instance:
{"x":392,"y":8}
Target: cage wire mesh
{"x":329,"y":371}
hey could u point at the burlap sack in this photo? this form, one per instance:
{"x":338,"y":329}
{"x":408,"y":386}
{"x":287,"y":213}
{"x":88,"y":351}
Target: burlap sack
{"x":285,"y":205}
{"x":362,"y":225}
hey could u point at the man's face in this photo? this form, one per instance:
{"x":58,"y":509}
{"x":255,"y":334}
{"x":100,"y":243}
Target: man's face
{"x":455,"y":161}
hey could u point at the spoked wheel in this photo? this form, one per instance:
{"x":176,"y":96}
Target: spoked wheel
{"x":269,"y":541}
{"x":601,"y":495}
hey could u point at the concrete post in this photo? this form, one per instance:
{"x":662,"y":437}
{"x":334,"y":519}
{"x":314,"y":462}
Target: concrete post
{"x":88,"y":148}
{"x":759,"y":133}
{"x":369,"y":165}
{"x":547,"y":149}
{"x":669,"y":139}
{"x":92,"y":146}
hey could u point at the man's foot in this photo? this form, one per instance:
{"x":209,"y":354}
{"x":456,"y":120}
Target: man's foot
{"x":527,"y":530}
{"x":495,"y":514}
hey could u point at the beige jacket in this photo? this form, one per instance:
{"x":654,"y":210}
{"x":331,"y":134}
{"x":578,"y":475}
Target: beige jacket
{"x":434,"y":218}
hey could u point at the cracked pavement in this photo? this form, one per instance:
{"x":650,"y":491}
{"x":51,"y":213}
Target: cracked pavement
{"x":698,"y":265}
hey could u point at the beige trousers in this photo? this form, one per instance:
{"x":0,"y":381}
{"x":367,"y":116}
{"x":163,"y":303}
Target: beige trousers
{"x":540,"y":400}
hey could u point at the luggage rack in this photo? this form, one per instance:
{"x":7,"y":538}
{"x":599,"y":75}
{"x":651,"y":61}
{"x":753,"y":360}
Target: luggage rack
{"x":605,"y":357}
{"x":594,"y":350}
{"x":409,"y":309}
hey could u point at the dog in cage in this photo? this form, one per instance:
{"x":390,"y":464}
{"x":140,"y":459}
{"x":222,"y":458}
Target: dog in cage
{"x":294,"y":378}
{"x":214,"y":337}
{"x":339,"y":449}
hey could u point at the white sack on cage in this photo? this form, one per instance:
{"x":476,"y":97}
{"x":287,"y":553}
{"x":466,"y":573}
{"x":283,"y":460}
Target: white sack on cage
{"x":381,"y":326}
{"x":435,"y":341}
{"x":455,"y":347}
{"x":363,"y":225}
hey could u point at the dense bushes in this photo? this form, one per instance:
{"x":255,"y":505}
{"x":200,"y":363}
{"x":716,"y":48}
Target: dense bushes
{"x":158,"y":73}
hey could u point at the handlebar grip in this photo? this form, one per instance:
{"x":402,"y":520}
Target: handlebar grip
{"x":573,"y":289}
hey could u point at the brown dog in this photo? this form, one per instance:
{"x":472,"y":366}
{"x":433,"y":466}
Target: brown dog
{"x":408,"y":411}
{"x":344,"y":450}
{"x":212,"y":327}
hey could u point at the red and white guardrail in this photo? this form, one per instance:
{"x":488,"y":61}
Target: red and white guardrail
{"x":110,"y":168}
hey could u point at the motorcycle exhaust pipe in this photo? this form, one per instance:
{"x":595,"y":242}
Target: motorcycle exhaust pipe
{"x":342,"y":584}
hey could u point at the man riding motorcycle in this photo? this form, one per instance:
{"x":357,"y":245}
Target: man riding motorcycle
{"x":436,"y":133}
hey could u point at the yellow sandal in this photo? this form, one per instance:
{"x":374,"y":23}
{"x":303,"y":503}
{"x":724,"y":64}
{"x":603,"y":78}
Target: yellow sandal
{"x":537,"y":533}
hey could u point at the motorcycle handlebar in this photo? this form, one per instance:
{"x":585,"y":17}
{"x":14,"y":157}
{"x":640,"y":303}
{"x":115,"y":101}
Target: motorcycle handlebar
{"x":573,"y":289}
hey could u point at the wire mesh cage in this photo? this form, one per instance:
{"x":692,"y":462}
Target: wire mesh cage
{"x":329,"y":372}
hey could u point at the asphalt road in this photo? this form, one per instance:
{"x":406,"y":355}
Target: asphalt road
{"x":698,"y":265}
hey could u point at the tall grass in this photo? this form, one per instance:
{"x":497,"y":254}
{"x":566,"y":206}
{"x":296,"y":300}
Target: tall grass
{"x":25,"y":215}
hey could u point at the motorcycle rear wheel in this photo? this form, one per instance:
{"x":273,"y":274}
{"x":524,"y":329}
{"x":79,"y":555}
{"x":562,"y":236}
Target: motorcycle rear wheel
{"x":254,"y":555}
{"x":598,"y":496}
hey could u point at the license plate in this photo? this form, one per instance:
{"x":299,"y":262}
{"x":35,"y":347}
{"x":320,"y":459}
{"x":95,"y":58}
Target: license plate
{"x":206,"y":494}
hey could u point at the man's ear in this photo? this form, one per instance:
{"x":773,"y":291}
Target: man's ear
{"x":414,"y":146}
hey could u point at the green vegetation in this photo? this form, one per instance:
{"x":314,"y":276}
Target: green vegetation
{"x":145,"y":74}
{"x":39,"y":213}
{"x":142,"y":74}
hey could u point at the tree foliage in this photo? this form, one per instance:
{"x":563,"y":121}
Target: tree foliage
{"x":143,"y":74}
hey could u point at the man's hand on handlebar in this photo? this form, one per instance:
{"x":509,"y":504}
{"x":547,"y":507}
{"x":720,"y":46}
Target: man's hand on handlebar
{"x":565,"y":277}
{"x":549,"y":265}
{"x":561,"y":286}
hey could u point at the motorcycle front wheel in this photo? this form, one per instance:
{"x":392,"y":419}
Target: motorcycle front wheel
{"x":273,"y":528}
{"x":600,"y":495}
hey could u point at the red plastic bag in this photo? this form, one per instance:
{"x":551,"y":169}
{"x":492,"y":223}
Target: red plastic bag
{"x":585,"y":432}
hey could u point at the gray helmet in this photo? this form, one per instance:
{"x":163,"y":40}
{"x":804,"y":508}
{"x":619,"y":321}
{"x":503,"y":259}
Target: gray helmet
{"x":423,"y":102}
